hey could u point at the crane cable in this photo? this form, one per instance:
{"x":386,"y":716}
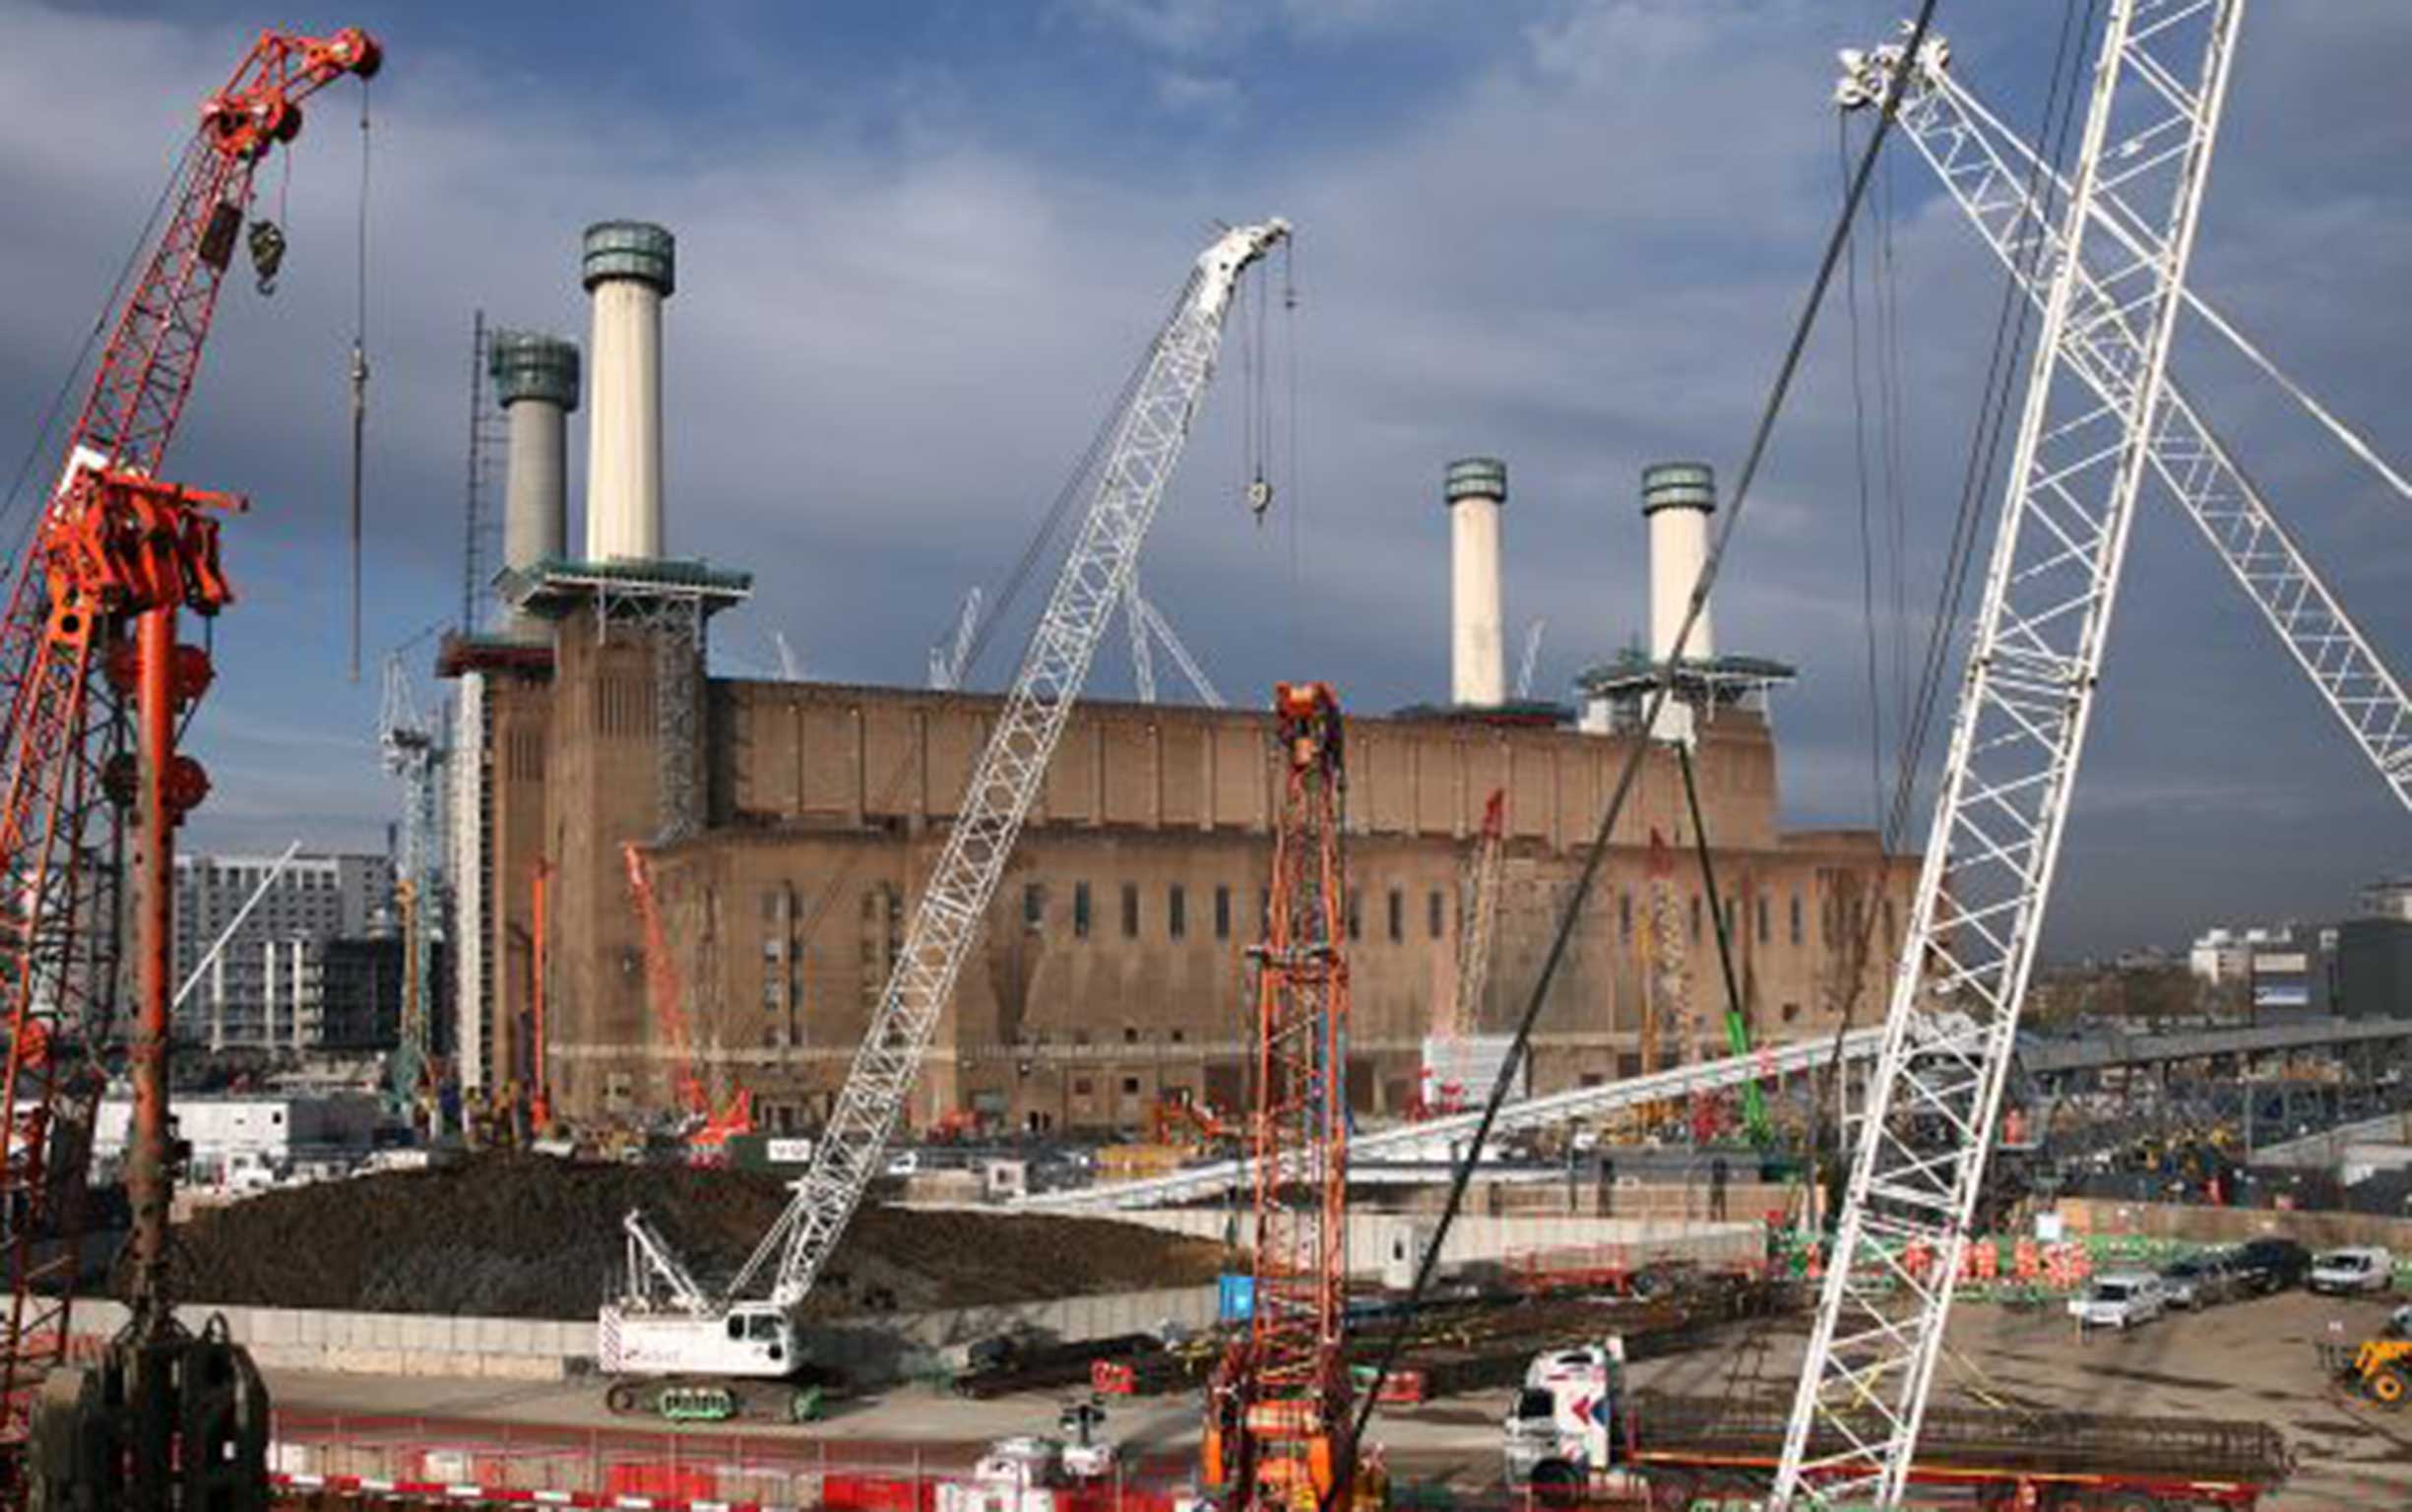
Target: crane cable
{"x":360,"y":378}
{"x":1663,"y":689}
{"x":1049,"y":525}
{"x":177,"y":172}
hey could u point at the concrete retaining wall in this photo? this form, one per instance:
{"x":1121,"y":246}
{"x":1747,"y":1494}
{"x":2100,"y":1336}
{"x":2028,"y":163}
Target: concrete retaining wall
{"x":872,"y":1349}
{"x":2232,"y":1225}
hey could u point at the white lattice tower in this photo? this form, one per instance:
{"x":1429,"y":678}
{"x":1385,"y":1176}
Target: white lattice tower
{"x":1989,"y":169}
{"x":1926,"y":1126}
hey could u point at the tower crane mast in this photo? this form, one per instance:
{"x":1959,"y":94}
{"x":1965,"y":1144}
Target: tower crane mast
{"x":1925,"y":1128}
{"x":414,"y":758}
{"x":651,"y":1332}
{"x":92,"y":789}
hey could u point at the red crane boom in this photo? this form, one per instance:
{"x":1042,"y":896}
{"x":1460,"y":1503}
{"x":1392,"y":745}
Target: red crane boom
{"x":710,"y":1132}
{"x":115,"y":556}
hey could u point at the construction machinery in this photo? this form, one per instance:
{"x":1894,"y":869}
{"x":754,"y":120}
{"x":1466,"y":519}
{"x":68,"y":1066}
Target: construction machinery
{"x":2377,"y":1369}
{"x":1577,"y":1435}
{"x":2085,"y":443}
{"x":708,"y":1129}
{"x":1278,"y":1434}
{"x":98,"y":687}
{"x":415,"y":757}
{"x":692,"y":1345}
{"x":1447,"y":1074}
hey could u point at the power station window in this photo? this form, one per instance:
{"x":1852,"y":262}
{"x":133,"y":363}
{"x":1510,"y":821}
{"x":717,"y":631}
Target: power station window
{"x":1081,"y":1087}
{"x":1130,"y":910}
{"x":1624,"y":917}
{"x":1034,"y":906}
{"x":1130,"y":1086}
{"x":1177,"y":912}
{"x":1080,"y":910}
{"x":1398,"y":915}
{"x":1223,"y":912}
{"x":1357,"y":917}
{"x":1796,"y":918}
{"x":1436,"y":919}
{"x":1695,"y":918}
{"x":1763,"y":918}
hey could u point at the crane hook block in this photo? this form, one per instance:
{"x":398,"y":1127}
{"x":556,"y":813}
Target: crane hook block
{"x":1260,"y":497}
{"x":267,"y":253}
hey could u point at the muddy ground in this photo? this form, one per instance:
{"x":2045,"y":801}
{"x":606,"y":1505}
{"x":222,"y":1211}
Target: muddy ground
{"x":528,"y":1237}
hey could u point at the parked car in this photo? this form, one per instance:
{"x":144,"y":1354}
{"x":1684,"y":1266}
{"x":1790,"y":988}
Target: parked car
{"x":2119,"y":1299}
{"x":2201,"y":1279}
{"x":2358,"y":1268}
{"x":2272,"y":1263}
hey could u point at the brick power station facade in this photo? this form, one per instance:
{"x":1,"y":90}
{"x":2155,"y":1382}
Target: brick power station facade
{"x":1111,"y":969}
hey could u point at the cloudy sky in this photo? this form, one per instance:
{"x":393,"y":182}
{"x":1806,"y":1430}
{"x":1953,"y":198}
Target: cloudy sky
{"x":920,"y":246}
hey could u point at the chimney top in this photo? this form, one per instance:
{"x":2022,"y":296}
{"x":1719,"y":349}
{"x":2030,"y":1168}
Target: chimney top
{"x":1679,"y":486}
{"x":531,"y":364}
{"x":1475,"y":477}
{"x":631,"y":249}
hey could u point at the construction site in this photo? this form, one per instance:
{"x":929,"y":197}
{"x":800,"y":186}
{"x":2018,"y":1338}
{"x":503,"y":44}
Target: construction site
{"x":999,"y":1097}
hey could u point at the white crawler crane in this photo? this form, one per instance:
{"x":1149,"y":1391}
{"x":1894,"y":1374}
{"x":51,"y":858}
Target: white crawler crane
{"x":723,"y":1352}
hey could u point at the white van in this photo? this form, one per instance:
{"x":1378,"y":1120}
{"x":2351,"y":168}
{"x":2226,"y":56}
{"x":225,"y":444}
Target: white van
{"x":2361,"y":1268}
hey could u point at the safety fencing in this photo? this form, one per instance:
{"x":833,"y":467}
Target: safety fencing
{"x":481,"y":1463}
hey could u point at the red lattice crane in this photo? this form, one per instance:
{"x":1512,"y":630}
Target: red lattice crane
{"x":88,"y":771}
{"x":1278,"y":1430}
{"x":708,"y":1131}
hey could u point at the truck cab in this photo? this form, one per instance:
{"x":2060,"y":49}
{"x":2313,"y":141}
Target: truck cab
{"x":1563,"y":1426}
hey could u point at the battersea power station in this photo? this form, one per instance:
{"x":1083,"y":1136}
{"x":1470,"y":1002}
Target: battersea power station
{"x":784,"y":828}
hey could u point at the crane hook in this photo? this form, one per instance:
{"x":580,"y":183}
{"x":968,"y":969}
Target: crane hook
{"x":1260,"y":497}
{"x":267,"y":253}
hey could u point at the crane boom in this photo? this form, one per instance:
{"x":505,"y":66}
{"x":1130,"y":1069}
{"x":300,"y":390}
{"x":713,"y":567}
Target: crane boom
{"x":2160,"y":80}
{"x":1988,"y":168}
{"x":116,"y":544}
{"x":661,"y":986}
{"x":1147,"y":439}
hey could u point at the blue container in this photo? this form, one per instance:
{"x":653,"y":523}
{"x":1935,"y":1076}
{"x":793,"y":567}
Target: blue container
{"x":1235,"y":1298}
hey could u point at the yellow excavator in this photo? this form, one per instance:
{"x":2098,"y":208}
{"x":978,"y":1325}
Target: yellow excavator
{"x":2379,"y":1369}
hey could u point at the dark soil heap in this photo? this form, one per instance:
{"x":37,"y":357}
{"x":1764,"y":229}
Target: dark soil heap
{"x":528,"y":1237}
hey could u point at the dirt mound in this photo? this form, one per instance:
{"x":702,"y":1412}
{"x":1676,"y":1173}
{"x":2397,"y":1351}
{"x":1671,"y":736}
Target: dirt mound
{"x":526,"y":1236}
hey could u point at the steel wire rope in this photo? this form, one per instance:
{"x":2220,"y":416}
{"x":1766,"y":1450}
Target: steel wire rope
{"x":985,"y":632}
{"x":1916,"y":726}
{"x":143,"y":242}
{"x":1661,"y":691}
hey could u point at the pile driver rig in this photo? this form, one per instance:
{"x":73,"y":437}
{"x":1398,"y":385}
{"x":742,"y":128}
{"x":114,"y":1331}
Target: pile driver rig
{"x":1278,"y":1434}
{"x":731,"y":1349}
{"x":92,"y":791}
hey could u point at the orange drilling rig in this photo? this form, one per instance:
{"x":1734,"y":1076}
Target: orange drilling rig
{"x":1278,"y":1435}
{"x":709,"y":1131}
{"x":92,"y":791}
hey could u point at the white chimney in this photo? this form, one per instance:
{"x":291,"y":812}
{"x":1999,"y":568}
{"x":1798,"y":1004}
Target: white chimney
{"x":1474,"y":488}
{"x":1677,"y":499}
{"x":630,"y":268}
{"x":535,"y":377}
